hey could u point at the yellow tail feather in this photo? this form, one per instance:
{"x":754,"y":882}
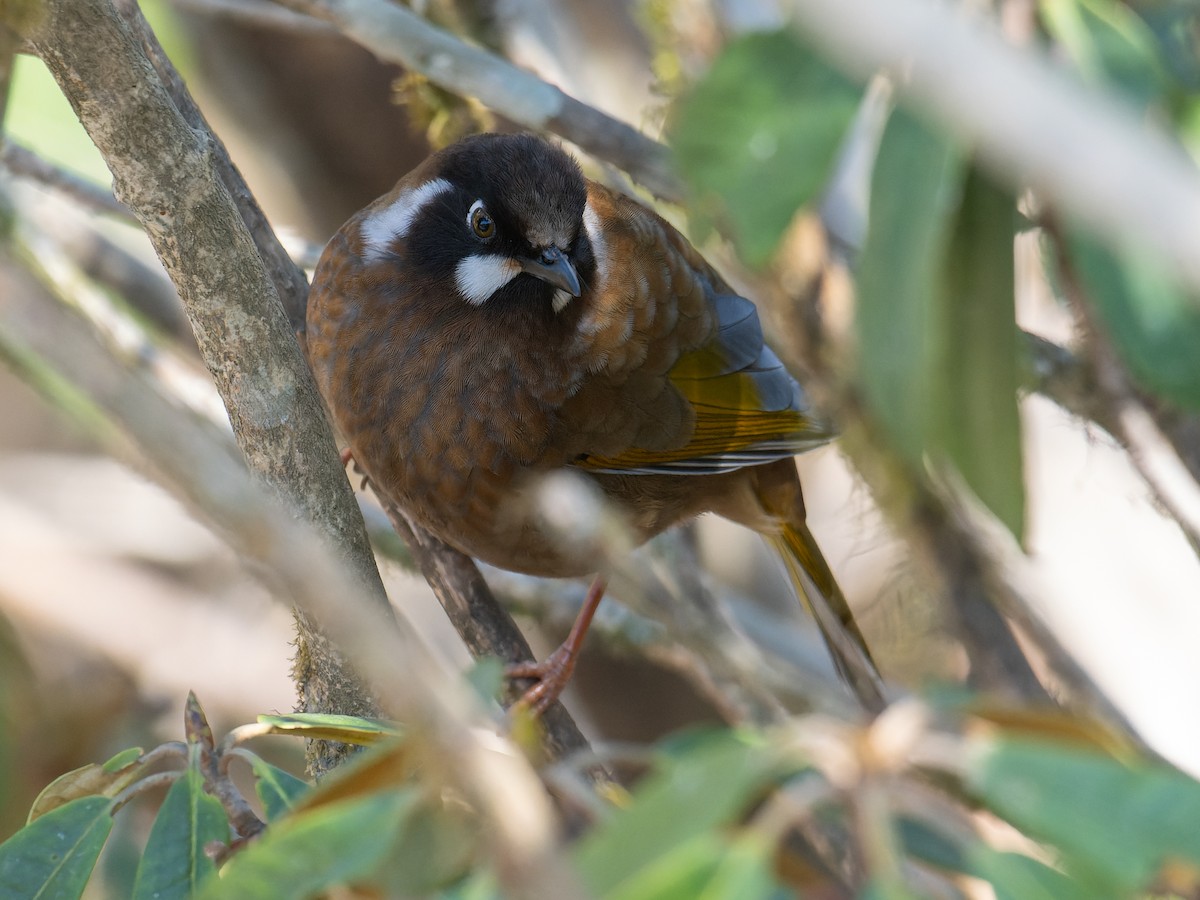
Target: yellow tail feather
{"x":818,"y":589}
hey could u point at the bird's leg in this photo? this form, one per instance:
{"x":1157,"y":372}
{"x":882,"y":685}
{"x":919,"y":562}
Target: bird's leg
{"x":347,"y":457}
{"x":552,"y":674}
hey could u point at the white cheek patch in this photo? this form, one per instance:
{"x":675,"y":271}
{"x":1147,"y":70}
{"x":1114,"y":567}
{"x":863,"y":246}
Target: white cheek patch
{"x":381,"y":228}
{"x":595,"y":233}
{"x":478,"y":277}
{"x":561,"y":299}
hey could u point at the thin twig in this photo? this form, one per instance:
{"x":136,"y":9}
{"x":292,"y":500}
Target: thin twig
{"x":787,"y":666}
{"x":485,"y":627}
{"x":67,"y":239}
{"x":396,"y":34}
{"x":1149,"y":449}
{"x":256,"y":14}
{"x":142,"y":785}
{"x":24,"y":163}
{"x":1061,"y":376}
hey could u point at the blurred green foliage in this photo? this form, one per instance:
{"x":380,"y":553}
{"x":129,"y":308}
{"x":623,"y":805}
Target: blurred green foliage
{"x":705,"y":822}
{"x":756,"y":137}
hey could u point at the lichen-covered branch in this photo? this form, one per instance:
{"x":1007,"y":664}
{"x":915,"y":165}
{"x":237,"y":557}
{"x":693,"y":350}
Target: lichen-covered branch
{"x":289,"y":280}
{"x":164,"y":170}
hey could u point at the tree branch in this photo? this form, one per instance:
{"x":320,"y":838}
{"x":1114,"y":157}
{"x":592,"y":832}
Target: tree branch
{"x":23,"y":162}
{"x":1164,"y":473}
{"x":483,"y":624}
{"x":163,"y":170}
{"x":396,"y":34}
{"x":290,"y":283}
{"x":256,"y":14}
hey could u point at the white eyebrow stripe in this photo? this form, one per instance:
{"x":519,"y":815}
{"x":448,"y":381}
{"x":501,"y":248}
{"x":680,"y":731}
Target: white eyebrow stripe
{"x":478,"y":277}
{"x":380,"y":229}
{"x":595,"y":233}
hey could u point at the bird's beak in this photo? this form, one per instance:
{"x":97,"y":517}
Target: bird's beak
{"x":553,"y":267}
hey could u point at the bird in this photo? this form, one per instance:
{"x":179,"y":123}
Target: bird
{"x":498,"y":316}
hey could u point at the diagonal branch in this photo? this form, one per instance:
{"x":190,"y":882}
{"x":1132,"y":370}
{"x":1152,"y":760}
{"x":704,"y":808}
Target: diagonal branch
{"x":290,"y":283}
{"x":396,"y":34}
{"x":1165,"y":473}
{"x":163,"y":170}
{"x":485,"y":627}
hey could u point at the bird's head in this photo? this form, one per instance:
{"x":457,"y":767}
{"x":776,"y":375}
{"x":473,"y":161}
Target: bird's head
{"x":499,"y":217}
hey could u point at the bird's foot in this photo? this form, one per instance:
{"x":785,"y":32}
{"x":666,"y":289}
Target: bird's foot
{"x":347,"y":457}
{"x":551,"y":676}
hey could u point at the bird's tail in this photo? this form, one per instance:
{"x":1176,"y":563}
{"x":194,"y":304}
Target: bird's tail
{"x":819,"y":590}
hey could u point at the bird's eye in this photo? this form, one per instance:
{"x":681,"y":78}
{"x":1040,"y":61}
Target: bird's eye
{"x":481,"y":222}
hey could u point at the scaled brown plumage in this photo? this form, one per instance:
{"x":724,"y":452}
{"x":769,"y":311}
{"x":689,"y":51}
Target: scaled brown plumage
{"x":497,"y":316}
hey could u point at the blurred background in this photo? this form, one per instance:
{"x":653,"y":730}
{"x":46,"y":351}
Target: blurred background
{"x":114,"y":601}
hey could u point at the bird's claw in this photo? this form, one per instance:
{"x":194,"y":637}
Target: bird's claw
{"x":347,"y":457}
{"x":550,"y":678}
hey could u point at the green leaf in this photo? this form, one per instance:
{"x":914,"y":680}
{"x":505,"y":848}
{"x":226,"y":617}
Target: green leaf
{"x":1153,"y":322}
{"x":93,"y":780}
{"x":1107,"y":41}
{"x":901,"y":318}
{"x":697,"y":791}
{"x":980,"y":372}
{"x":1173,"y":23}
{"x":313,"y":850}
{"x":277,"y":790}
{"x":745,"y":870}
{"x":1012,"y":875}
{"x":757,"y":136}
{"x":1015,"y":876}
{"x":486,"y":677}
{"x":53,"y":857}
{"x":682,"y":871}
{"x":706,"y":867}
{"x":331,"y":727}
{"x":929,"y":845}
{"x":174,"y":864}
{"x":120,"y":762}
{"x":1115,"y":824}
{"x":437,"y":846}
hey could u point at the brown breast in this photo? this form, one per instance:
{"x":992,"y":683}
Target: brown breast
{"x":450,"y":408}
